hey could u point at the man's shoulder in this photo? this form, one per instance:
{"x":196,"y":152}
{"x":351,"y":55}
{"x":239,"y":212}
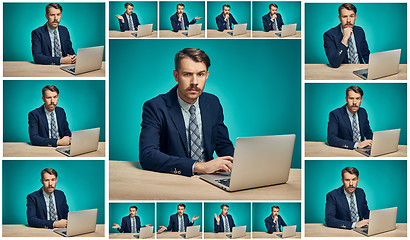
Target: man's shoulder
{"x":58,"y":193}
{"x":359,"y":191}
{"x":333,"y":31}
{"x":266,"y":15}
{"x":209,"y":97}
{"x":62,"y":29}
{"x":335,"y":192}
{"x":125,"y":218}
{"x":268,"y":218}
{"x":338,"y":111}
{"x":175,"y":15}
{"x":220,"y":16}
{"x":34,"y":194}
{"x":358,"y":29}
{"x":40,"y":29}
{"x":36,"y":111}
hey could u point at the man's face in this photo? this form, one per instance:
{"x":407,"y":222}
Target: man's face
{"x":353,"y":101}
{"x":54,"y":17}
{"x":181,"y":210}
{"x":133,"y":212}
{"x":273,"y":10}
{"x":180,"y":9}
{"x":275,"y":212}
{"x":226,"y":10}
{"x":350,"y":182}
{"x":50,"y":100}
{"x":129,"y":9}
{"x":224,"y":210}
{"x":49,"y":183}
{"x":347,"y":18}
{"x":191,"y":77}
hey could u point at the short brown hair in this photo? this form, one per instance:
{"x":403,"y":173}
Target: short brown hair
{"x":53,"y":5}
{"x":355,"y":89}
{"x":180,"y":4}
{"x":181,"y":205}
{"x":49,"y":171}
{"x":50,"y":88}
{"x":273,"y":5}
{"x":128,"y":4}
{"x":224,"y":205}
{"x":135,"y":207}
{"x":347,"y":6}
{"x":195,"y":54}
{"x":274,"y":207}
{"x":225,"y":5}
{"x":351,"y":170}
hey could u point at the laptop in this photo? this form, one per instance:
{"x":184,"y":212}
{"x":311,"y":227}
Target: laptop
{"x":237,"y":232}
{"x":383,"y":142}
{"x":238,"y":29}
{"x":191,"y":231}
{"x":88,"y":59}
{"x":255,"y":158}
{"x":83,"y":141}
{"x":287,"y":30}
{"x":288,"y":231}
{"x":143,"y":30}
{"x":145,"y":232}
{"x":79,"y":222}
{"x":381,"y":64}
{"x":193,"y":29}
{"x":380,"y":221}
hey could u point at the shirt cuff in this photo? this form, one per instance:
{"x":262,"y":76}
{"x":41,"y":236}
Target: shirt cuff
{"x":354,"y":224}
{"x":193,"y":167}
{"x":355,"y":145}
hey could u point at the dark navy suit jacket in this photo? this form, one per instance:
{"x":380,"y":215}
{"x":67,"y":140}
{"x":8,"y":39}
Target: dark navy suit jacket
{"x":163,"y":141}
{"x":339,"y":130}
{"x":125,"y":26}
{"x":268,"y":24}
{"x":220,"y":227}
{"x":220,"y":22}
{"x":336,"y":51}
{"x":38,"y":127}
{"x":337,"y":212}
{"x":126,"y":224}
{"x":37,"y":211}
{"x":270,"y":225}
{"x":176,"y":25}
{"x":41,"y":45}
{"x":174,"y":224}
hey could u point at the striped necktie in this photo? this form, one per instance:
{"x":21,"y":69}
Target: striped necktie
{"x":355,"y":129}
{"x":54,"y":131}
{"x":57,"y":47}
{"x":353,"y":56}
{"x":353,"y":211}
{"x":52,"y":211}
{"x":195,"y":138}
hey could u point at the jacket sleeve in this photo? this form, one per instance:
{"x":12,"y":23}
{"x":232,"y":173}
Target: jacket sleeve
{"x":335,"y":51}
{"x":330,"y":214}
{"x":35,"y":138}
{"x":175,"y":23}
{"x":66,"y":129}
{"x":64,"y":207}
{"x":232,"y":19}
{"x":220,"y":22}
{"x":282,"y":222}
{"x":32,"y":219}
{"x":38,"y":56}
{"x":268,"y":225}
{"x":233,"y":223}
{"x":365,"y":48}
{"x":266,"y":24}
{"x":280,"y":21}
{"x":170,"y":224}
{"x":367,"y":131}
{"x":67,"y":43}
{"x":332,"y":134}
{"x":217,"y":227}
{"x":123,"y":28}
{"x":123,"y":225}
{"x":137,"y":22}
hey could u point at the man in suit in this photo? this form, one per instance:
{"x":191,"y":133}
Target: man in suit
{"x":47,"y":125}
{"x":224,"y":221}
{"x":130,"y":223}
{"x":272,"y":20}
{"x":179,"y":221}
{"x":225,"y":20}
{"x":346,"y":206}
{"x":47,"y":207}
{"x":348,"y":126}
{"x":128,"y":20}
{"x":179,"y":20}
{"x":346,"y":43}
{"x":274,"y":222}
{"x":51,"y":42}
{"x":181,"y":129}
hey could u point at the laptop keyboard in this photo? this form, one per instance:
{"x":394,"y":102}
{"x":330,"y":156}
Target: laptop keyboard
{"x":225,"y":181}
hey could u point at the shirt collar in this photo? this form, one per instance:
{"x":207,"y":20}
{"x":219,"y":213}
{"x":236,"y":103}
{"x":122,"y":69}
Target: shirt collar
{"x":51,"y":31}
{"x":185,"y":106}
{"x":46,"y":194}
{"x":47,"y":112}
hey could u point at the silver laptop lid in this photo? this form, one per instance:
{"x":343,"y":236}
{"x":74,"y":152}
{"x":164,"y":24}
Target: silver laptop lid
{"x":89,"y":59}
{"x":146,"y":232}
{"x":383,"y":64}
{"x":385,"y":142}
{"x":238,"y":232}
{"x":239,"y":29}
{"x":382,"y":220}
{"x":144,"y":30}
{"x":84,"y":141}
{"x":288,"y":30}
{"x":194,"y":29}
{"x":289,"y":231}
{"x":80,"y":222}
{"x":192,"y":231}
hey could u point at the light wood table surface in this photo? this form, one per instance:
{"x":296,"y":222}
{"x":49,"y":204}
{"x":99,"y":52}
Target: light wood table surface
{"x":320,"y":230}
{"x":345,"y":72}
{"x":321,"y":149}
{"x":271,"y":34}
{"x":126,"y":236}
{"x":273,"y":235}
{"x":172,"y":34}
{"x":222,"y":235}
{"x":29,"y":69}
{"x":25,"y":231}
{"x":212,"y":33}
{"x":165,"y":235}
{"x":22,"y":149}
{"x":127,"y":34}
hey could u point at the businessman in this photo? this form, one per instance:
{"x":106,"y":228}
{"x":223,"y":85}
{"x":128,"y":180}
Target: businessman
{"x":130,"y":223}
{"x":179,"y":20}
{"x":47,"y":125}
{"x":272,"y":20}
{"x":47,"y":207}
{"x":181,"y":129}
{"x":346,"y":206}
{"x":346,"y":43}
{"x":225,"y":20}
{"x":274,"y":222}
{"x":128,"y":20}
{"x":348,"y":126}
{"x":179,"y":221}
{"x":224,"y":221}
{"x":51,"y":42}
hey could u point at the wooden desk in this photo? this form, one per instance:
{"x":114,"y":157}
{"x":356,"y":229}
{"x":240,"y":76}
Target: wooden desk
{"x":25,"y":231}
{"x":321,"y":149}
{"x":127,"y":34}
{"x":129,"y":182}
{"x":165,"y":235}
{"x":22,"y":149}
{"x":345,"y":72}
{"x":212,"y":33}
{"x":320,"y":230}
{"x":222,"y":235}
{"x":271,"y":34}
{"x":273,"y":235}
{"x":126,"y":236}
{"x":172,"y":34}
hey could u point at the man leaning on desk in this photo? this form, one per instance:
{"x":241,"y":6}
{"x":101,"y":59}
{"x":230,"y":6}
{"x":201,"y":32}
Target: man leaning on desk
{"x":179,"y":20}
{"x":272,"y":21}
{"x":129,"y":20}
{"x":346,"y":43}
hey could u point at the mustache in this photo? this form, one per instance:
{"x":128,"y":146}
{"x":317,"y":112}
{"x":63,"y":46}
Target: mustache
{"x":193,"y":88}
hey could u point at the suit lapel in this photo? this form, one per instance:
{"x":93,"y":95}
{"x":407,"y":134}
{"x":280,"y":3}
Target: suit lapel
{"x":47,"y":38}
{"x":222,"y":222}
{"x":176,"y":115}
{"x":358,"y":203}
{"x":344,"y":202}
{"x":42,"y":202}
{"x":206,"y":125}
{"x":360,"y":124}
{"x":347,"y":121}
{"x":59,"y":124}
{"x":43,"y":118}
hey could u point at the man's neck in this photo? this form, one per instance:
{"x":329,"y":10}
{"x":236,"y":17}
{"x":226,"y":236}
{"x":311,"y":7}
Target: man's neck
{"x":52,"y":28}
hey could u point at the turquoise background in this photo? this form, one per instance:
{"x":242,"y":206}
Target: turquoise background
{"x":241,"y":11}
{"x":192,"y":10}
{"x":146,"y":212}
{"x":165,"y":210}
{"x":81,"y":181}
{"x":272,"y":85}
{"x":290,"y":213}
{"x":290,"y":12}
{"x":384,"y":25}
{"x":383,"y":181}
{"x":83,"y":102}
{"x":146,"y":12}
{"x":84,"y":21}
{"x":385,"y":104}
{"x":240,"y":211}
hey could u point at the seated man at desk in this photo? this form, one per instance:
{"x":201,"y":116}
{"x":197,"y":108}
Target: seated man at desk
{"x":272,"y":21}
{"x":181,"y":129}
{"x":348,"y":125}
{"x":179,"y":20}
{"x":47,"y":125}
{"x":51,"y":42}
{"x":128,"y":20}
{"x":130,"y":223}
{"x":179,"y":221}
{"x":225,"y":20}
{"x":274,"y":222}
{"x":224,"y":221}
{"x":346,"y":206}
{"x":346,"y":43}
{"x":47,"y":207}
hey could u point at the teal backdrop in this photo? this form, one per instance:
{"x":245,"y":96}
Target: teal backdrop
{"x":241,"y":11}
{"x":146,"y":212}
{"x":84,"y":21}
{"x":290,"y":213}
{"x":383,"y":181}
{"x":240,"y":211}
{"x":82,"y":100}
{"x":192,"y":9}
{"x":320,"y":17}
{"x":82,"y":182}
{"x":272,"y":104}
{"x":385,"y":104}
{"x":289,"y":10}
{"x":166,"y":209}
{"x":146,"y":12}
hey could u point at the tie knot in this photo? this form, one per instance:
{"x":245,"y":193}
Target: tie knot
{"x":192,"y":109}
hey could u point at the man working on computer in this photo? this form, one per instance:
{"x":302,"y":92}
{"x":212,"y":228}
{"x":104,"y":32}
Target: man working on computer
{"x":348,"y":126}
{"x":128,"y":20}
{"x":272,"y":20}
{"x":224,"y":221}
{"x":47,"y":207}
{"x":51,"y":43}
{"x":130,"y":223}
{"x":274,"y":222}
{"x":225,"y":20}
{"x":179,"y":20}
{"x":346,"y":43}
{"x":181,"y":129}
{"x":47,"y":125}
{"x":179,"y":221}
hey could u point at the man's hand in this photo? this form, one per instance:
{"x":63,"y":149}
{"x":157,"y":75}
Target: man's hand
{"x":275,"y":219}
{"x":65,"y":141}
{"x":196,"y":18}
{"x":179,"y":17}
{"x":119,"y":17}
{"x":116,"y":226}
{"x":274,"y":17}
{"x":194,"y":218}
{"x":60,"y":223}
{"x":147,"y":225}
{"x":347,"y":32}
{"x":162,"y":228}
{"x":226,"y":17}
{"x":362,"y":223}
{"x":222,"y":164}
{"x":69,"y":59}
{"x":217,"y":218}
{"x":365,"y":143}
